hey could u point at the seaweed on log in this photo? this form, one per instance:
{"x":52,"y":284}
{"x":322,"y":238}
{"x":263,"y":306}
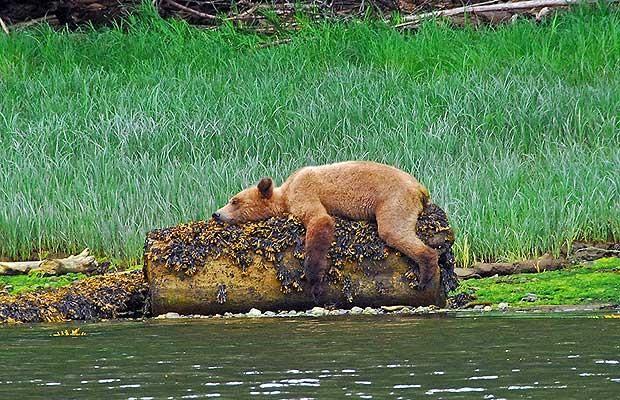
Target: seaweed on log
{"x":207,"y":267}
{"x":118,"y":295}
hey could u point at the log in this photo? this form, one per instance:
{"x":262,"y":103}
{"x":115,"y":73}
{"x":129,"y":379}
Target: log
{"x":579,"y":252}
{"x":485,"y":270}
{"x":206,"y":267}
{"x":82,"y":262}
{"x":415,"y":20}
{"x":4,"y":27}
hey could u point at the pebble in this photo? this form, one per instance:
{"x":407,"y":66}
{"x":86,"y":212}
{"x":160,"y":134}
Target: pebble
{"x":318,"y":311}
{"x":370,"y":311}
{"x":356,"y":310}
{"x":170,"y":315}
{"x":254,"y":312}
{"x":393,"y":308}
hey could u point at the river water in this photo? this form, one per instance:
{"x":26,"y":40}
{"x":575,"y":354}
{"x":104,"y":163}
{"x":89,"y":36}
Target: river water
{"x":357,"y":357}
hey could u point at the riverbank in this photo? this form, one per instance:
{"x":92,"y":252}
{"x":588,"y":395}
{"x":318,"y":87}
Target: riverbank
{"x":591,"y":286}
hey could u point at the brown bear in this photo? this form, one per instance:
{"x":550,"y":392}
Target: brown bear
{"x":354,"y":189}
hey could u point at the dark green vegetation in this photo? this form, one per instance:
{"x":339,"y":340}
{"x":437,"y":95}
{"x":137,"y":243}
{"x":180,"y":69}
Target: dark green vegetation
{"x":17,"y":284}
{"x":108,"y":134}
{"x":598,"y":282}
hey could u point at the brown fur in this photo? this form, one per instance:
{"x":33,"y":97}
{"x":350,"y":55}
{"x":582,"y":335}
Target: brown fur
{"x":353,"y":189}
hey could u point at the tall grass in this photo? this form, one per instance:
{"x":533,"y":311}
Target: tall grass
{"x":107,"y":134}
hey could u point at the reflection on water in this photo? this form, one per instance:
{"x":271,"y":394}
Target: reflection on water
{"x":387,"y":357}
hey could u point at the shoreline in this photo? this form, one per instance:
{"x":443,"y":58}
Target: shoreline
{"x":591,"y":287}
{"x":597,"y":311}
{"x":320,"y":312}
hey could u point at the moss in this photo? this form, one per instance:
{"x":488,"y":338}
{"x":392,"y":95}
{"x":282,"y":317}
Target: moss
{"x":16,"y":284}
{"x":596,"y":282}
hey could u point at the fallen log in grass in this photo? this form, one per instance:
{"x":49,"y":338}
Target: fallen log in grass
{"x":485,"y":270}
{"x":206,"y":267}
{"x":579,"y":252}
{"x":82,"y":262}
{"x":412,"y":21}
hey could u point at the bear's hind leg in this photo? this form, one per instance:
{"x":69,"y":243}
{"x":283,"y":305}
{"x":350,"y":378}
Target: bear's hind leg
{"x":319,"y":236}
{"x":400,"y":233}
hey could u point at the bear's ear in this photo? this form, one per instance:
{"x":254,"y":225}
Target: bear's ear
{"x":265,"y":187}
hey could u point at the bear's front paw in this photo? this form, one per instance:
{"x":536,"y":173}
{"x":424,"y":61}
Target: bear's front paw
{"x":427,"y":279}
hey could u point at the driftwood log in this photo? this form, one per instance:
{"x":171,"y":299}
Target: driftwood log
{"x":206,"y":267}
{"x":82,"y":262}
{"x":484,"y":270}
{"x":543,"y":7}
{"x":578,"y":252}
{"x":269,"y":16}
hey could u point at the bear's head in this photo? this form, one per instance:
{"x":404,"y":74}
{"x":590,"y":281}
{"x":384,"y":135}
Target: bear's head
{"x":252,"y":204}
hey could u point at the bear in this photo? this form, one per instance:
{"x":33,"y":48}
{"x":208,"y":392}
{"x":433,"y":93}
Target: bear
{"x":358,"y":190}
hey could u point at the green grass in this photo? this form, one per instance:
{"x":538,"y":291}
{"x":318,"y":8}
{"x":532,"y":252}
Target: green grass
{"x":107,"y":134}
{"x":595,"y":283}
{"x":17,"y":284}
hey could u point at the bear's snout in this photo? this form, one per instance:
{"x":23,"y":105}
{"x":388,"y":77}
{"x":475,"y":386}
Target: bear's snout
{"x":217,"y":216}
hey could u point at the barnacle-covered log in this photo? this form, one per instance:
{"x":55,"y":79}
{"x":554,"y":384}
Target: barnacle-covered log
{"x":207,"y":267}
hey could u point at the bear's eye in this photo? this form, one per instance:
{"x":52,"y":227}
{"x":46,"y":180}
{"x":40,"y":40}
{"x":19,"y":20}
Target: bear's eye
{"x":234,"y":202}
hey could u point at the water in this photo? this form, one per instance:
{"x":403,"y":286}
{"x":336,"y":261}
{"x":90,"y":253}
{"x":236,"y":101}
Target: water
{"x":384,"y":357}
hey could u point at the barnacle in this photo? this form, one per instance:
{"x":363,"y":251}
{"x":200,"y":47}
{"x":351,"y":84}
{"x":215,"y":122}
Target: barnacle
{"x":186,"y":248}
{"x":290,"y":278}
{"x":380,"y":287}
{"x":106,"y":296}
{"x":349,"y":289}
{"x":72,"y":332}
{"x":221,"y":293}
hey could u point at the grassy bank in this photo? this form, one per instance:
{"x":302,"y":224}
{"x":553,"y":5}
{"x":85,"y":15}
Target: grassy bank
{"x":594,"y":283}
{"x":107,"y":134}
